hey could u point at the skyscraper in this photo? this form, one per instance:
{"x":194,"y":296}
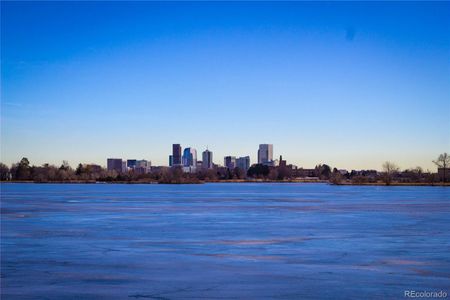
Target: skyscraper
{"x":176,"y":155}
{"x":190,"y":157}
{"x":207,"y":159}
{"x":229,"y":162}
{"x":243,"y":163}
{"x":265,"y":154}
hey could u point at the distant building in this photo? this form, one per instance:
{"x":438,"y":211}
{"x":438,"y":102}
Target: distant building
{"x":94,"y":168}
{"x":300,"y":172}
{"x":176,"y":155}
{"x":190,"y":169}
{"x":143,"y":163}
{"x":140,"y":170}
{"x":131,"y":163}
{"x":114,"y":164}
{"x":243,"y":163}
{"x":281,"y":162}
{"x":265,"y":154}
{"x":273,"y":163}
{"x":444,"y":174}
{"x":159,"y":169}
{"x":343,"y":171}
{"x":207,"y":159}
{"x":170,"y":160}
{"x":124,"y":166}
{"x":229,"y":162}
{"x":190,"y":157}
{"x":367,"y":173}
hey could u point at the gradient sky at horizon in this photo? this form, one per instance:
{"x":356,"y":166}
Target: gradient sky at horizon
{"x":351,"y":84}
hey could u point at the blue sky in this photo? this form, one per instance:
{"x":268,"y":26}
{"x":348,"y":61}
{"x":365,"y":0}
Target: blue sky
{"x":351,"y":84}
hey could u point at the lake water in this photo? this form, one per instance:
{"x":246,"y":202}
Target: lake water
{"x":223,"y":241}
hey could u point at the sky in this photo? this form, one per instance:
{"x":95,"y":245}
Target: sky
{"x":350,"y":84}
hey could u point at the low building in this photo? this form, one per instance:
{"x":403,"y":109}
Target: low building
{"x":131,"y":163}
{"x":301,"y":172}
{"x":343,"y":172}
{"x":282,"y":163}
{"x":114,"y":164}
{"x":443,"y":174}
{"x":141,"y":170}
{"x":143,"y":164}
{"x":94,"y":168}
{"x":190,"y":169}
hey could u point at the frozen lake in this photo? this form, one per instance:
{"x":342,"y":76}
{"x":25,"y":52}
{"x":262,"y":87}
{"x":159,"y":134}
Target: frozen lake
{"x":223,"y":241}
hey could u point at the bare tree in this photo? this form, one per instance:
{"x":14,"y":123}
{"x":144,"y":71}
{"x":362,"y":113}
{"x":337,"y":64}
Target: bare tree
{"x":443,"y":161}
{"x":336,"y":178}
{"x":389,"y":169}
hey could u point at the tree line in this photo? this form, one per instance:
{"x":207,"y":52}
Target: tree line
{"x":24,"y":171}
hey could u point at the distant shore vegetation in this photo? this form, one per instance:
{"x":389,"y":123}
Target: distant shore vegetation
{"x":23,"y":171}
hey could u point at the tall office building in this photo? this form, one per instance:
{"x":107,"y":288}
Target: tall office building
{"x":176,"y":155}
{"x":265,"y":154}
{"x":243,"y":163}
{"x":207,"y":159}
{"x":170,"y":160}
{"x":190,"y":157}
{"x":114,"y":164}
{"x":229,"y":162}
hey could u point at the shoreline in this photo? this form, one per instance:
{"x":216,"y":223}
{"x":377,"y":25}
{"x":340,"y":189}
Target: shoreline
{"x":441,"y":184}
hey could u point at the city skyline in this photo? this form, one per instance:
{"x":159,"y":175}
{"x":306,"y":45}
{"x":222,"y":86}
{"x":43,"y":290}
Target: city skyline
{"x":346,"y":84}
{"x":237,"y":160}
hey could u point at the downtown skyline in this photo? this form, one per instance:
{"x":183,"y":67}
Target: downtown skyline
{"x":346,"y":84}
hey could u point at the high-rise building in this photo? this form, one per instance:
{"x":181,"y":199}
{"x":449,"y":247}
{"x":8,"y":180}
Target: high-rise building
{"x":176,"y":155}
{"x":265,"y":154}
{"x":207,"y":159}
{"x":114,"y":164}
{"x":229,"y":162}
{"x":170,"y":160}
{"x":243,"y":163}
{"x":190,"y":157}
